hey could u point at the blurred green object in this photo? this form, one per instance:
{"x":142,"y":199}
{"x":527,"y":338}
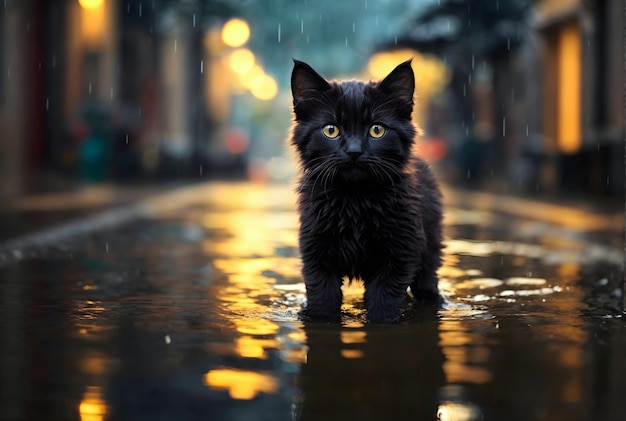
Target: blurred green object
{"x":93,"y":159}
{"x":93,"y":156}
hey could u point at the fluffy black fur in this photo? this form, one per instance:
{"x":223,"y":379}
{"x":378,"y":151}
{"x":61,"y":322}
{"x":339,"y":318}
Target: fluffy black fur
{"x":369,"y":210}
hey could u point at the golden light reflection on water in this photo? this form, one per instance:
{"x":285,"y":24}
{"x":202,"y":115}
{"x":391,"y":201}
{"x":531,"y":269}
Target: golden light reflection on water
{"x":352,"y":353}
{"x":255,"y":251}
{"x":92,"y":407}
{"x":452,"y":411}
{"x":465,"y":357}
{"x":241,"y":384}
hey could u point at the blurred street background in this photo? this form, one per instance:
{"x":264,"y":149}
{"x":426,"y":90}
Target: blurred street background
{"x":515,"y":96}
{"x":149,"y":266}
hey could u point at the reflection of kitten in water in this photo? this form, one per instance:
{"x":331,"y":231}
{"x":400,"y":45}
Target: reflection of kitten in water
{"x":368,"y":209}
{"x":372,"y":373}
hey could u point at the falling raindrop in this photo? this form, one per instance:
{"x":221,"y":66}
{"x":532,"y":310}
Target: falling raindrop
{"x":598,"y":147}
{"x":395,"y":40}
{"x":111,"y":93}
{"x":127,"y":138}
{"x":607,"y":181}
{"x":106,"y":247}
{"x":508,"y":43}
{"x":89,"y":88}
{"x":307,"y":38}
{"x":302,"y":26}
{"x":503,"y":126}
{"x":47,"y":104}
{"x":464,"y":90}
{"x":346,"y":41}
{"x":469,"y":79}
{"x":175,"y":45}
{"x":201,"y":170}
{"x":194,"y":20}
{"x":469,"y":174}
{"x":279,"y":32}
{"x":497,"y":4}
{"x":140,"y":9}
{"x":473,"y":57}
{"x":353,"y":27}
{"x":365,"y":4}
{"x":526,"y":130}
{"x":201,"y":66}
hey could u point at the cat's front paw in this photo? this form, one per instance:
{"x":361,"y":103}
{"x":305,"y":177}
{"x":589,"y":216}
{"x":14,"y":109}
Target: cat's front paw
{"x":309,"y":312}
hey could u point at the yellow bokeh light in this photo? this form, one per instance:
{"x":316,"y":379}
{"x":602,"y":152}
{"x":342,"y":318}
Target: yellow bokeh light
{"x":248,"y":78}
{"x":90,"y":4}
{"x":241,"y":61}
{"x":382,"y":63}
{"x":431,"y":74}
{"x":264,"y":88}
{"x":235,"y":32}
{"x":243,"y":385}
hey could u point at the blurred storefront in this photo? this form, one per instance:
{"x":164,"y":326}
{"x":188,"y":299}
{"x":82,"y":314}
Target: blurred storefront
{"x":95,"y":90}
{"x":535,"y":101}
{"x":583,"y":96}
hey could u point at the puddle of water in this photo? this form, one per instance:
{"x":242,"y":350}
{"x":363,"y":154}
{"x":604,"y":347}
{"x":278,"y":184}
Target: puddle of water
{"x":196,"y":313}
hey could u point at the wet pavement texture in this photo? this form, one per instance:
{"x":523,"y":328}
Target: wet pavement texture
{"x":187,"y":309}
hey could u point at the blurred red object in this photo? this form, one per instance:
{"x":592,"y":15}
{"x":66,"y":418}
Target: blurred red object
{"x":237,"y":141}
{"x":432,"y":149}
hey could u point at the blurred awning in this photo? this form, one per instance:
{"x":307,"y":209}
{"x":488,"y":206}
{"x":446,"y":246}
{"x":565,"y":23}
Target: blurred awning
{"x":472,"y":25}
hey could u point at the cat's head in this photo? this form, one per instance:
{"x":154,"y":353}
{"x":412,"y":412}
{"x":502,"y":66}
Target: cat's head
{"x":353,"y":130}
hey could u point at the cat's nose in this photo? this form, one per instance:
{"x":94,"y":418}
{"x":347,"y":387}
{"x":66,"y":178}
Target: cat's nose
{"x":355,"y":155}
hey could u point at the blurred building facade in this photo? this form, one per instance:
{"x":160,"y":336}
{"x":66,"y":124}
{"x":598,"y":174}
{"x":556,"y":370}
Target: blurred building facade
{"x":102,"y":89}
{"x":536,"y":101}
{"x":582,"y":97}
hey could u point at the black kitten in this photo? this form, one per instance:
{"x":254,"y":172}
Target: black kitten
{"x":368,"y":208}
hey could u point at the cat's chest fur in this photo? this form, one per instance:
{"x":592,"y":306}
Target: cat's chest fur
{"x":352,"y":230}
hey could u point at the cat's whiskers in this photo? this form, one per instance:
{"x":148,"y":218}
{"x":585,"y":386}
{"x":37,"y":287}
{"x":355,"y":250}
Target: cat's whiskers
{"x":324,"y":170}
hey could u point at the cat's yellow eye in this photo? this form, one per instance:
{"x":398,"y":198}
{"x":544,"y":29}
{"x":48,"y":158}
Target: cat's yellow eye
{"x":377,"y":131}
{"x":330,"y":131}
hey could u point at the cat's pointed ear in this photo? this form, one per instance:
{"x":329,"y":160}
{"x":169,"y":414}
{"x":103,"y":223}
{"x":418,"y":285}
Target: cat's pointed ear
{"x":306,"y":83}
{"x":400,"y":83}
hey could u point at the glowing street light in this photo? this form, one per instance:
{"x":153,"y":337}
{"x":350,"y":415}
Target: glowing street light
{"x":235,"y":32}
{"x":241,"y":60}
{"x":264,"y":87}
